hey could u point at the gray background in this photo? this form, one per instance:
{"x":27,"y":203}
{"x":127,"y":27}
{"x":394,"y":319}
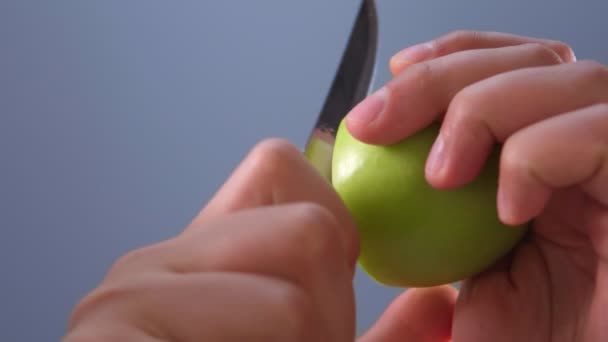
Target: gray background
{"x":119,"y":119}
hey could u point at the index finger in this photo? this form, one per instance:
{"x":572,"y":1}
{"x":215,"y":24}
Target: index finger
{"x":471,"y":40}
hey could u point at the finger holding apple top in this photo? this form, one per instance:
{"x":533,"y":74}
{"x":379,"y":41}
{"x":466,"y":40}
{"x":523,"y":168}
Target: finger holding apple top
{"x":482,"y":96}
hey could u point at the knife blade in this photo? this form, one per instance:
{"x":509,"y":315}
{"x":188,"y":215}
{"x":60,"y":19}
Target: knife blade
{"x":351,"y":84}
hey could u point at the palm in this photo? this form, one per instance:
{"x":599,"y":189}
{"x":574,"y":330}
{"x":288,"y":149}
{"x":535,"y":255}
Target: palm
{"x":549,"y":289}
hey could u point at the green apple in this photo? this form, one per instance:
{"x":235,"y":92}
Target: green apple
{"x":413,"y":235}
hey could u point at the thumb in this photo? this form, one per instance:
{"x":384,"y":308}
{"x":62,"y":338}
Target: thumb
{"x":418,"y":315}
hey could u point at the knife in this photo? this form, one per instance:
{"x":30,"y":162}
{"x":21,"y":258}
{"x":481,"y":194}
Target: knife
{"x":351,"y":84}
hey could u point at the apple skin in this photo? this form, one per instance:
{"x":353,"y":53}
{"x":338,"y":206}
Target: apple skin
{"x":413,"y":235}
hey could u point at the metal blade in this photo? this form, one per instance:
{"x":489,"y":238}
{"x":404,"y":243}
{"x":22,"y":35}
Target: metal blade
{"x":351,"y":85}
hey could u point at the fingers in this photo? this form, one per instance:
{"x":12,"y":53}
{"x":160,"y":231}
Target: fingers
{"x":470,"y":40}
{"x":418,"y":315}
{"x":300,"y":244}
{"x":422,"y":93}
{"x":493,"y":109}
{"x":301,"y":248}
{"x":275,"y":172}
{"x":300,"y":232}
{"x":563,"y":151}
{"x":204,"y":307}
{"x":302,"y":235}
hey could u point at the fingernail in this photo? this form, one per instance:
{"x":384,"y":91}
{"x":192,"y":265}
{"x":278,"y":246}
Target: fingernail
{"x":436,"y":159}
{"x":413,"y":54}
{"x":506,"y":212}
{"x":369,"y":109}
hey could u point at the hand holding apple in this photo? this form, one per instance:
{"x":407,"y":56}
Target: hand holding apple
{"x":413,"y":235}
{"x":549,"y":114}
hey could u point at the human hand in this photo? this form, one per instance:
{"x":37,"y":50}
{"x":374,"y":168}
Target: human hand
{"x":270,"y":258}
{"x":550,"y":113}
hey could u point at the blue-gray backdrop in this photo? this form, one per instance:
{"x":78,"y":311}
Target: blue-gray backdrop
{"x":119,"y":119}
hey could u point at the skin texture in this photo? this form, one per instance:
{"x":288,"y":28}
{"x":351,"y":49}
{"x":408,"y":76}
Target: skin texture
{"x":271,"y":257}
{"x":413,"y":235}
{"x":549,"y":111}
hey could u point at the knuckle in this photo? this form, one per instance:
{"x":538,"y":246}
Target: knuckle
{"x":314,"y":214}
{"x":463,"y":105}
{"x":594,"y":72}
{"x":295,"y":311}
{"x":311,"y":238}
{"x":135,"y":259}
{"x":130,"y":258}
{"x":317,"y":243}
{"x":103,"y":296}
{"x":461,"y":36}
{"x":466,"y":113}
{"x":319,"y":230}
{"x":119,"y":295}
{"x":513,"y":158}
{"x":268,"y":154}
{"x":463,"y":39}
{"x":564,"y":50}
{"x":543,"y":53}
{"x":223,"y":255}
{"x":274,"y":149}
